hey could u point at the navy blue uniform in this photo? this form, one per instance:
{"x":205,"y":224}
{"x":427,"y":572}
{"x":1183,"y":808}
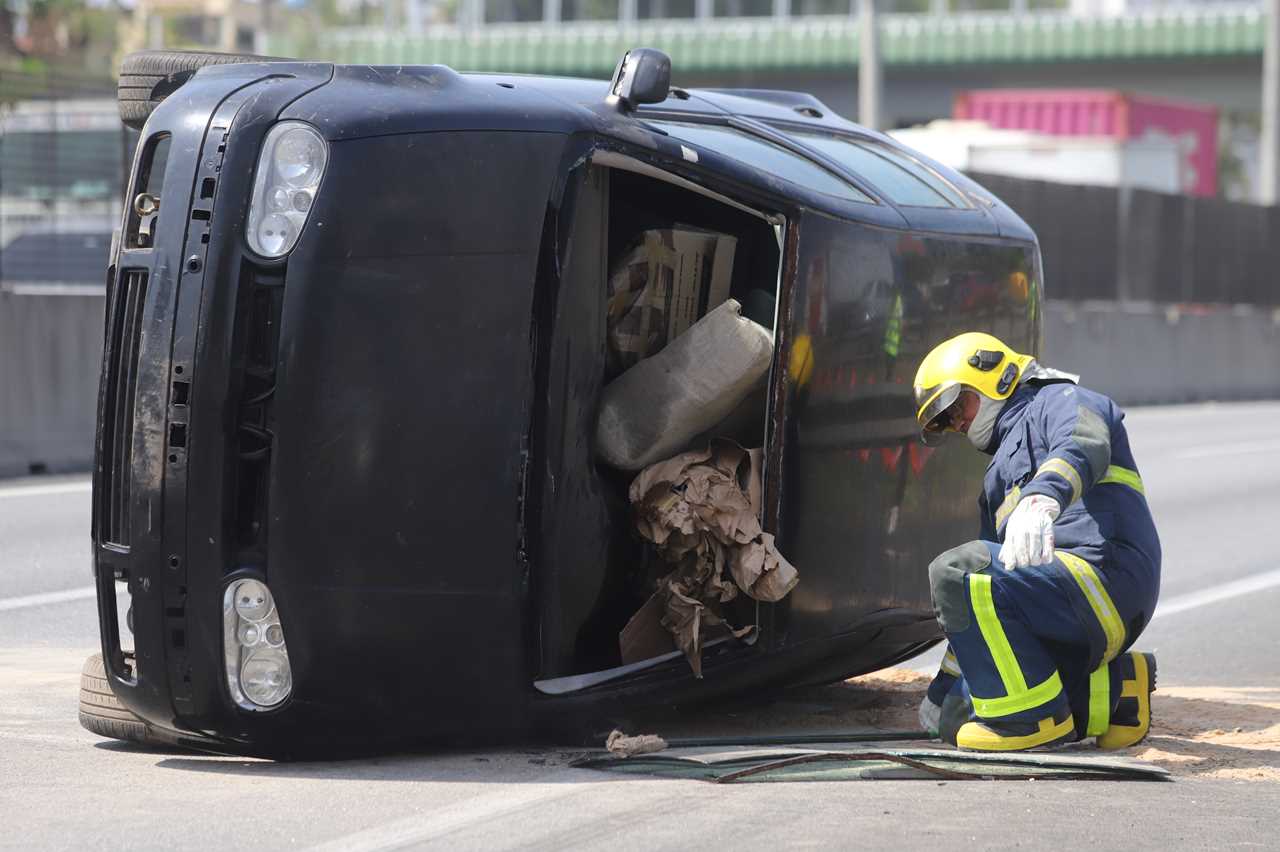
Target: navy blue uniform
{"x":1035,"y":642}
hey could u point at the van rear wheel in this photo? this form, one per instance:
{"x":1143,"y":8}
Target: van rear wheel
{"x":147,"y":77}
{"x":103,"y":714}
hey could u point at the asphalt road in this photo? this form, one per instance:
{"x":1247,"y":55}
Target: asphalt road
{"x":1213,"y":479}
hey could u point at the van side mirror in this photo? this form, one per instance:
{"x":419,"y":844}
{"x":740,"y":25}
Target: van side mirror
{"x":642,"y":77}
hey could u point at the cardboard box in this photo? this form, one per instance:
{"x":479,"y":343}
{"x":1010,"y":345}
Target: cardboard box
{"x":704,"y":272}
{"x":664,"y":284}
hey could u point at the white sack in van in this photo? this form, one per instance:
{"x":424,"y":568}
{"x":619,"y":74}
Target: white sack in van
{"x":658,"y":406}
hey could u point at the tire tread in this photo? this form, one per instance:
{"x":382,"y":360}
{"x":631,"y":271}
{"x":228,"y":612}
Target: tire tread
{"x":102,"y":713}
{"x":141,"y":72}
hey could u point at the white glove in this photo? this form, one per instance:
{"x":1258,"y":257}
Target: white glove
{"x":1028,"y":536}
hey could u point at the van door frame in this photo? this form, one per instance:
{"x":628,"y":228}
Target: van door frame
{"x":641,"y":162}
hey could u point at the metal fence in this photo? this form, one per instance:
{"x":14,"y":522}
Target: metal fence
{"x":1138,"y":245}
{"x":63,"y":164}
{"x":770,"y":36}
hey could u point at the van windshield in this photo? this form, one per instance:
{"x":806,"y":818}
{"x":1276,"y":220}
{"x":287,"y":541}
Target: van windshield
{"x":764,"y":155}
{"x":900,"y":178}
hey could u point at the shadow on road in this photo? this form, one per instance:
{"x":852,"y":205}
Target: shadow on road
{"x":137,"y":748}
{"x":885,"y":701}
{"x":1196,"y":732}
{"x":465,"y":767}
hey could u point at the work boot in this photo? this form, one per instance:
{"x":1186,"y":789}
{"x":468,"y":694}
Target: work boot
{"x":998,"y":735}
{"x":1131,"y":720}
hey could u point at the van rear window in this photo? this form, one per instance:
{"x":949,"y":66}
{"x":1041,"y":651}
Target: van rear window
{"x":900,"y":178}
{"x":764,"y":155}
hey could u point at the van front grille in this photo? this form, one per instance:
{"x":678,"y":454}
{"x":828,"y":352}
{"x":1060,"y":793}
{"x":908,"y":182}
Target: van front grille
{"x":257,"y":340}
{"x":124,"y":330}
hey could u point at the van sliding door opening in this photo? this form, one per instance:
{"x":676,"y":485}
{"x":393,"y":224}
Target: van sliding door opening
{"x":648,"y":254}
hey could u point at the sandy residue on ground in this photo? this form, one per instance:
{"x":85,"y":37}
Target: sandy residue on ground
{"x":1202,"y":732}
{"x":1215,"y":732}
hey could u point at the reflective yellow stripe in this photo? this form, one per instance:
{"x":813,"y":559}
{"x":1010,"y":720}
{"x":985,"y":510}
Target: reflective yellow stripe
{"x":949,"y":663}
{"x":1096,"y":593}
{"x":1123,"y":476}
{"x":991,"y":708}
{"x":1067,"y":472}
{"x":976,"y":736}
{"x":1017,"y":696}
{"x":992,"y":632}
{"x":1099,"y":700}
{"x":1010,"y":500}
{"x":997,"y":643}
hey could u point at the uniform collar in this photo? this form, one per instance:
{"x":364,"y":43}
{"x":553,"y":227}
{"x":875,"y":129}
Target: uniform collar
{"x":1010,"y":416}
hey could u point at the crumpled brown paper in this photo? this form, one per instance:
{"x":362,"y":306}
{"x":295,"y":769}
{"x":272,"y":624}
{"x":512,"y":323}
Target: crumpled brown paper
{"x":621,"y":745}
{"x":688,"y":618}
{"x":701,"y":509}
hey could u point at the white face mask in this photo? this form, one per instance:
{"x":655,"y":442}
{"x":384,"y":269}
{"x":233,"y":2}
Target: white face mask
{"x":984,"y":422}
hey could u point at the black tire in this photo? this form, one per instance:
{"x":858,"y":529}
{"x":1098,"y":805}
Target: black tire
{"x":147,"y":77}
{"x":103,"y":714}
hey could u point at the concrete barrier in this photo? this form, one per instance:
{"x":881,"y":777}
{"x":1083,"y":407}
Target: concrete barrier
{"x":1138,"y":353}
{"x":1145,"y":353}
{"x":50,"y":350}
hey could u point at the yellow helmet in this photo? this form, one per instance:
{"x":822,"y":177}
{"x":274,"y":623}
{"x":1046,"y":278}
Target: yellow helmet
{"x":973,"y":360}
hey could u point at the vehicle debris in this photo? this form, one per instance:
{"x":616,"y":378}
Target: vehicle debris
{"x":621,"y":745}
{"x":872,"y":763}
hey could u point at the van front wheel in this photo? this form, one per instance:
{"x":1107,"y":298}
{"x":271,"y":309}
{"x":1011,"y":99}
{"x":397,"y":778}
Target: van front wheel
{"x":102,"y":713}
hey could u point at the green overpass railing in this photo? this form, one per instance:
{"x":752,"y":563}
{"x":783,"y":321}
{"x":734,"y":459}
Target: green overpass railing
{"x":804,"y":43}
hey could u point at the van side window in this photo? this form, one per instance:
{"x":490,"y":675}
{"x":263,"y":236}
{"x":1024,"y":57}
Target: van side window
{"x":900,"y":178}
{"x":764,"y":155}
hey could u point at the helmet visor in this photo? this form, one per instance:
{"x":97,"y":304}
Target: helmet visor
{"x":937,"y":417}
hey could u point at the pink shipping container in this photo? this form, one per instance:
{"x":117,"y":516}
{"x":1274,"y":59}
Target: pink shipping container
{"x":1104,"y":112}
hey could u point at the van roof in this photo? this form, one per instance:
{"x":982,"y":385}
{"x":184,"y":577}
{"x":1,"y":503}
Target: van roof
{"x":363,"y":101}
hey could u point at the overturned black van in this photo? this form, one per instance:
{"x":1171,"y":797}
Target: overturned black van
{"x":346,"y":489}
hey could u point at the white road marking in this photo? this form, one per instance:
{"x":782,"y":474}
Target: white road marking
{"x":1213,"y":594}
{"x":79,"y":487}
{"x":47,"y":598}
{"x":1227,"y":450}
{"x":417,"y":831}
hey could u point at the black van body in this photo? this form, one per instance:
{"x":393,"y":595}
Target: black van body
{"x":391,"y":426}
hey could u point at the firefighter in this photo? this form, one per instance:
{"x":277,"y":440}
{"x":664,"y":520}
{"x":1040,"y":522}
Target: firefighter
{"x":1041,"y":610}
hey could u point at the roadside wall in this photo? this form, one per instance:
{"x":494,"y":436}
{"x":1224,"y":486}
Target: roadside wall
{"x":1145,"y":353}
{"x":1134,"y":245}
{"x":1138,"y":353}
{"x":50,"y":349}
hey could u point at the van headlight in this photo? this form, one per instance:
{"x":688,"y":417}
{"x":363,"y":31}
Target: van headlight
{"x":290,"y":166}
{"x":258,"y":672}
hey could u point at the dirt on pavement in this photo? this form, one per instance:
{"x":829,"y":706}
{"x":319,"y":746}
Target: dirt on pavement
{"x":1196,"y":731}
